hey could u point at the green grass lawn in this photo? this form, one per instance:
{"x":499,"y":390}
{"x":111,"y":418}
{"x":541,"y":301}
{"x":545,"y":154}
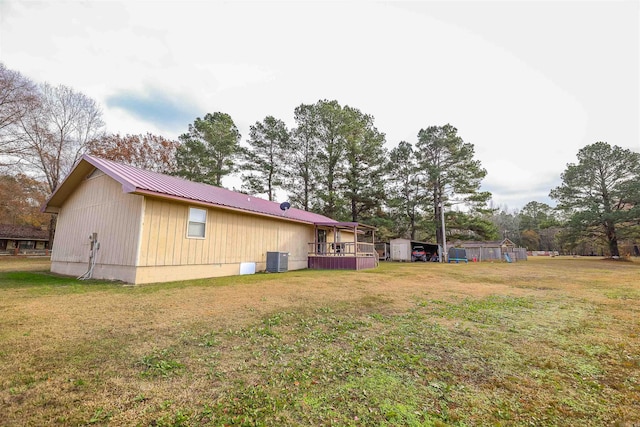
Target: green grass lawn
{"x":545,"y":342}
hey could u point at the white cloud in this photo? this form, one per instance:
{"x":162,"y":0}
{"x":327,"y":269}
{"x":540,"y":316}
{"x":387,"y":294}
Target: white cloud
{"x":528,"y":83}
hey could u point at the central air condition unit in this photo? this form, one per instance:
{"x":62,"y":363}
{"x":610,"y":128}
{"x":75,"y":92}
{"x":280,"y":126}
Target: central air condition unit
{"x":277,"y":262}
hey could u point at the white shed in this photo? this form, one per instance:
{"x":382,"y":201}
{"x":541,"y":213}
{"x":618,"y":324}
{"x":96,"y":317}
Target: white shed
{"x":400,"y":249}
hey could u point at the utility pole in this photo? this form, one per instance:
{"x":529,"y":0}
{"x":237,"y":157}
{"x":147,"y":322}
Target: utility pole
{"x":443,"y":258}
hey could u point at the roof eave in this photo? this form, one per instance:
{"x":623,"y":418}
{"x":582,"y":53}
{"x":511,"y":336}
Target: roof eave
{"x":149,"y":193}
{"x":344,"y":225}
{"x":81,"y":169}
{"x":38,"y":239}
{"x":78,"y":173}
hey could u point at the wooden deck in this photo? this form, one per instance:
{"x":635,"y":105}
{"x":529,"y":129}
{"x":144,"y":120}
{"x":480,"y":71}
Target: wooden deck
{"x":341,"y":263}
{"x":342,"y":256}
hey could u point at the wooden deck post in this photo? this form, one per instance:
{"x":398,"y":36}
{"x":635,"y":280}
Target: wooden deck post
{"x":355,"y":239}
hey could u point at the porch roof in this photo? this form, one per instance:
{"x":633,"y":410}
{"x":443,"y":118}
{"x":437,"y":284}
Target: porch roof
{"x":344,"y":225}
{"x":22,"y":232}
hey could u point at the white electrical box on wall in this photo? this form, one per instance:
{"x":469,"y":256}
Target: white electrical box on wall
{"x":247,"y":268}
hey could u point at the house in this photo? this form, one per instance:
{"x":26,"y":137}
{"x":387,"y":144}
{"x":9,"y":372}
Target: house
{"x":16,"y":238}
{"x":123,"y":223}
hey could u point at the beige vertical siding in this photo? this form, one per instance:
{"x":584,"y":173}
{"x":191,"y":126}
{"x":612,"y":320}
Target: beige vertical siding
{"x":230,"y":237}
{"x":98,"y":205}
{"x":144,"y":239}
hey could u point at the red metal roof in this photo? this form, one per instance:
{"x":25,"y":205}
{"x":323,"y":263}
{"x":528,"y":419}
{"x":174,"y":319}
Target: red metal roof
{"x":135,"y":180}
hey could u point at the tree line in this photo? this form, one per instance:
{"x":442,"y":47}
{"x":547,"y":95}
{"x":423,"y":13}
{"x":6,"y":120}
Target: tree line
{"x":333,"y":161}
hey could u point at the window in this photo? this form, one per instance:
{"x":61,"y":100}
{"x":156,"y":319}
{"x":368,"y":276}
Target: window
{"x":197,"y":223}
{"x":26,"y":244}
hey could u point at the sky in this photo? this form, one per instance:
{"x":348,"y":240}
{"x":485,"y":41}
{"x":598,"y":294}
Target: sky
{"x":528,"y":83}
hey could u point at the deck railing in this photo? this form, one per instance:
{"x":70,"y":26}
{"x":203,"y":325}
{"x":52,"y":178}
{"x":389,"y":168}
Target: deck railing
{"x":341,"y":249}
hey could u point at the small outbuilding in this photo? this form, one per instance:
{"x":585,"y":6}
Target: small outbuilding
{"x":384,"y":251}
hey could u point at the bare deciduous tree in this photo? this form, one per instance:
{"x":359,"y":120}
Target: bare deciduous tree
{"x":18,"y":95}
{"x":57,"y":132}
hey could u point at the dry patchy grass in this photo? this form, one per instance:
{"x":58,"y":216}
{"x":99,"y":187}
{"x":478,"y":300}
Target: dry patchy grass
{"x":22,"y":263}
{"x":550,"y":341}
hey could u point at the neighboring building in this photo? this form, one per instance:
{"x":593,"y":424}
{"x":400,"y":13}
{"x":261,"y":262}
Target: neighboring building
{"x":22,"y":237}
{"x":143,"y":227}
{"x":492,"y":250}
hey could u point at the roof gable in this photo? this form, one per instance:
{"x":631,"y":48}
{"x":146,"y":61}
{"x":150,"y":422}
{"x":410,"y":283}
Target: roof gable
{"x":143,"y":182}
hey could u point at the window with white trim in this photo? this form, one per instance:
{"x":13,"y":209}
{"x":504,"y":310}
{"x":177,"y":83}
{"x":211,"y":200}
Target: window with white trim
{"x":197,"y":223}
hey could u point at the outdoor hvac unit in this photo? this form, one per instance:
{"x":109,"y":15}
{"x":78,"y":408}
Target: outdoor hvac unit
{"x":277,"y":262}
